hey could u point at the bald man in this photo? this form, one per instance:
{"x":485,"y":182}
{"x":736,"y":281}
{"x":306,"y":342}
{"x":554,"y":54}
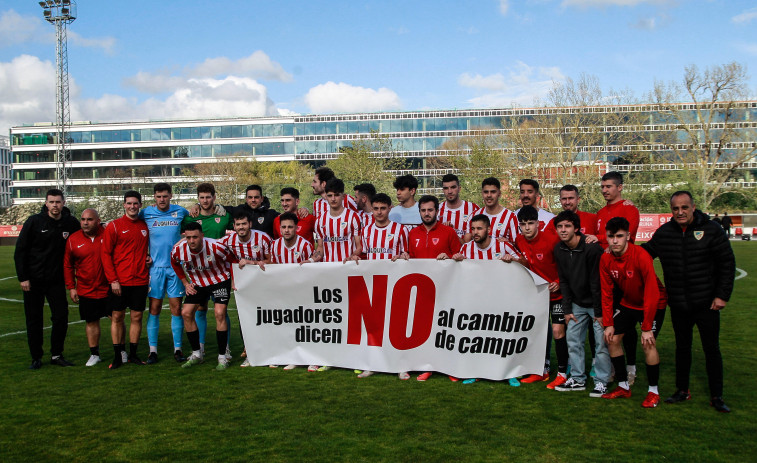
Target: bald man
{"x":85,"y":278}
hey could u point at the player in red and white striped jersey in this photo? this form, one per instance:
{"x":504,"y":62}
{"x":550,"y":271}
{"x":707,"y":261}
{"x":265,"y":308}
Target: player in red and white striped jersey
{"x":321,"y":205}
{"x":454,"y":212}
{"x":503,"y":223}
{"x":202,"y":265}
{"x":291,"y":248}
{"x":383,"y":239}
{"x":364,"y":194}
{"x":484,"y":247}
{"x":248,"y":246}
{"x":338,"y":231}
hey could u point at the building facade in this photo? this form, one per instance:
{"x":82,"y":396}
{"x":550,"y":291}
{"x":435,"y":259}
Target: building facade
{"x":6,"y":160}
{"x":109,"y":158}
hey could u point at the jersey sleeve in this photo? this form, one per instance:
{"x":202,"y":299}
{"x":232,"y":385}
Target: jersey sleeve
{"x":68,"y":266}
{"x":106,"y":252}
{"x":454,"y":242}
{"x":651,"y":289}
{"x":633,"y":217}
{"x":176,"y":263}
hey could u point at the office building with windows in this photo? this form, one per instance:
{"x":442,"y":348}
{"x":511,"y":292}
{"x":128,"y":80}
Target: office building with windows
{"x":110,"y":158}
{"x":5,"y":171}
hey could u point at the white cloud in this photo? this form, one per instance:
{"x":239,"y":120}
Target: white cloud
{"x":287,"y":112}
{"x":504,"y":5}
{"x":344,"y":98}
{"x":521,"y":86}
{"x":17,"y":29}
{"x":27,"y":94}
{"x":645,"y":24}
{"x":491,"y":82}
{"x":603,"y":3}
{"x":258,"y":66}
{"x":194,"y":98}
{"x":745,"y":17}
{"x":27,"y":91}
{"x":750,"y":48}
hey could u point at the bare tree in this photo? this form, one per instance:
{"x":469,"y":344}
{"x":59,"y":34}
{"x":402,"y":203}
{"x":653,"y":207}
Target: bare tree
{"x":368,"y":160}
{"x":709,"y":138}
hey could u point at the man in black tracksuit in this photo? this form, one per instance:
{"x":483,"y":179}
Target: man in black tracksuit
{"x":39,"y":266}
{"x":259,"y":209}
{"x":699,"y":269}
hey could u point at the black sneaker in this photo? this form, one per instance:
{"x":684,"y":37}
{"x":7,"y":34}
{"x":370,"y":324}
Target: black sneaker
{"x":179,"y":356}
{"x":719,"y":405}
{"x":36,"y":364}
{"x":152,"y":358}
{"x":678,"y":397}
{"x":571,"y":385}
{"x":117,"y":362}
{"x":136,"y":360}
{"x":599,"y":390}
{"x":60,"y":361}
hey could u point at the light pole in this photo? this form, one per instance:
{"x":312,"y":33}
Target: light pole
{"x":61,"y":13}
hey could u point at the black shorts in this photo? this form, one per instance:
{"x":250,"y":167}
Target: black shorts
{"x":626,"y":319}
{"x":220,"y":292}
{"x":92,"y":310}
{"x":556,"y":312}
{"x":133,"y":297}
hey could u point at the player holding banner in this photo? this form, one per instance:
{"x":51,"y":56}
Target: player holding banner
{"x":483,"y":247}
{"x":201,"y":265}
{"x":291,"y":248}
{"x":383,"y":239}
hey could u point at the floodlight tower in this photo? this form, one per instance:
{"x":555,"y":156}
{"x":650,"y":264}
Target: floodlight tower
{"x":61,"y":13}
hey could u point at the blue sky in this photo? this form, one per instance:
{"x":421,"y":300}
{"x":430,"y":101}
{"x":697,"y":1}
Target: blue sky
{"x":149,"y":59}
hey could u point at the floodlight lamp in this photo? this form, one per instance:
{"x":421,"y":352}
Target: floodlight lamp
{"x":47,"y":13}
{"x":57,"y":2}
{"x":43,"y":4}
{"x":50,"y":3}
{"x":66,"y":2}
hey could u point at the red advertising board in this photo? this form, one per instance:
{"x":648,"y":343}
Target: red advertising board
{"x":648,"y":223}
{"x":9,"y":231}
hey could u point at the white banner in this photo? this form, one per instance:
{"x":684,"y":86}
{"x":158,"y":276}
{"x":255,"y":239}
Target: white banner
{"x":470,"y":319}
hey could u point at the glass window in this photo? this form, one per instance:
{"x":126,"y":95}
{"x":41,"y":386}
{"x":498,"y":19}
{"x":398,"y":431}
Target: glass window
{"x":216,"y":132}
{"x":236,"y":131}
{"x":185,"y":133}
{"x":226,"y":131}
{"x":176,"y":133}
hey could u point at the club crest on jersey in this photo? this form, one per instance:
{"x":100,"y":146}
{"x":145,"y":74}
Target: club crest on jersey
{"x":144,"y":232}
{"x":698,"y":234}
{"x":465,"y":217}
{"x":614,"y":273}
{"x":296,"y":254}
{"x":256,"y":248}
{"x":390,"y":236}
{"x":497,"y":255}
{"x":540,"y":256}
{"x":209,"y":258}
{"x":175,"y":215}
{"x":629,"y":273}
{"x":260,"y":220}
{"x":344,"y":225}
{"x":435,"y":241}
{"x":218,"y":220}
{"x":65,"y":235}
{"x":500,"y":225}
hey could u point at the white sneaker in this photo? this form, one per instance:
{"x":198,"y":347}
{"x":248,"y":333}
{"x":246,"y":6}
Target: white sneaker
{"x":403,"y":375}
{"x":273,"y":366}
{"x":313,"y":368}
{"x":365,"y":374}
{"x":290,"y":367}
{"x":246,"y":363}
{"x":93,"y":360}
{"x":223,"y":363}
{"x":124,"y":357}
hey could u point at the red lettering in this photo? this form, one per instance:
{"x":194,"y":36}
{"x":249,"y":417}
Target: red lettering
{"x":425,"y":299}
{"x":364,"y":310}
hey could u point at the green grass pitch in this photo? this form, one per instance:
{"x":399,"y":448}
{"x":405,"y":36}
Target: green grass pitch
{"x":162,"y":412}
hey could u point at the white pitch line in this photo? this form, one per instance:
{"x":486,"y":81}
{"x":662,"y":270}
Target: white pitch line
{"x":9,"y":300}
{"x":741,"y":274}
{"x":7,"y":278}
{"x":45,"y":328}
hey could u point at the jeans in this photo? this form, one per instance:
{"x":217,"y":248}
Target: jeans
{"x":576,"y":336}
